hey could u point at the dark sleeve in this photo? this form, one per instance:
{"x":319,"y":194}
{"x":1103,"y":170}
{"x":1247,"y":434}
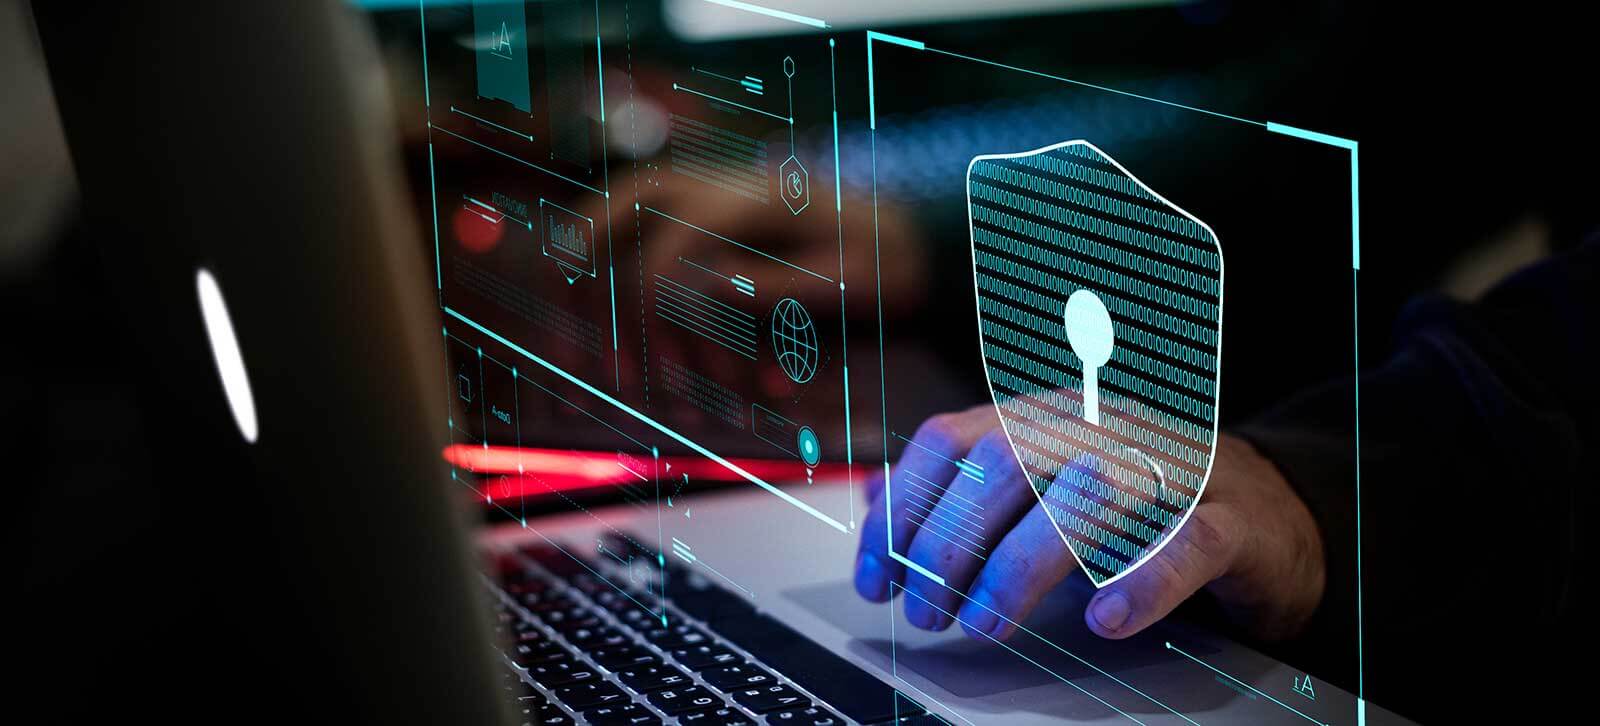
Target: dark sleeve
{"x":1472,"y":442}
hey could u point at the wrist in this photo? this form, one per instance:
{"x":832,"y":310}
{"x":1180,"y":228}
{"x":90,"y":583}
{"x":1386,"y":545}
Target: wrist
{"x":1279,"y":577}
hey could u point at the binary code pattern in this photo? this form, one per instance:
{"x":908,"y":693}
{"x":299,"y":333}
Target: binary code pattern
{"x":1049,"y":223}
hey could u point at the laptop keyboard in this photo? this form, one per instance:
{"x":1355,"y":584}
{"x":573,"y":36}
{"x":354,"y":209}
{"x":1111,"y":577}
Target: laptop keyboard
{"x":581,"y":651}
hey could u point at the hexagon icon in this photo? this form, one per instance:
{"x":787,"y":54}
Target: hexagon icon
{"x":1100,"y":322}
{"x":794,"y":184}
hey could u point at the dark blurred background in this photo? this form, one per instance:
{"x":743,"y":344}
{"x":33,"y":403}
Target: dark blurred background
{"x":1473,"y":159}
{"x":1477,"y":153}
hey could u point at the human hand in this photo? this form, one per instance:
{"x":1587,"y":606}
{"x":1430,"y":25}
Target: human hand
{"x":1251,"y":542}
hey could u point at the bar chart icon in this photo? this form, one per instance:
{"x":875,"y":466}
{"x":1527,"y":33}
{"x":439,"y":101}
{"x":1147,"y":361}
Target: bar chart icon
{"x":567,"y":238}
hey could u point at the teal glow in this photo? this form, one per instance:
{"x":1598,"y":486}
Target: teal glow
{"x":648,"y":421}
{"x":735,"y":104}
{"x":500,"y":36}
{"x":524,"y":162}
{"x":844,"y":335}
{"x":895,"y":39}
{"x":957,"y":618}
{"x":1091,"y":336}
{"x":733,"y":242}
{"x":794,"y":340}
{"x":422,"y":19}
{"x":438,"y":269}
{"x":771,"y":13}
{"x":1069,"y":252}
{"x":1320,"y":138}
{"x":810,"y":447}
{"x":1253,"y":689}
{"x":1171,"y":275}
{"x":483,"y":120}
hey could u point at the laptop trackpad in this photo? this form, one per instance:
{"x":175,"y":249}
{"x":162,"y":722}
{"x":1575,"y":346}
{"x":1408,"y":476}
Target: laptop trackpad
{"x":968,"y":667}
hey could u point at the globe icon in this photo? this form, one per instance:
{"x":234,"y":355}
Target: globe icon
{"x":794,"y":340}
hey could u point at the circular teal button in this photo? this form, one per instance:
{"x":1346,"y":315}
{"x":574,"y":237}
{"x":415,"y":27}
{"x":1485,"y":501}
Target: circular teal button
{"x":810,"y":448}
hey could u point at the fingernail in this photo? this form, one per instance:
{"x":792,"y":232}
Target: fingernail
{"x":977,"y":615}
{"x":922,"y":615}
{"x":870,"y":580}
{"x":1110,"y":611}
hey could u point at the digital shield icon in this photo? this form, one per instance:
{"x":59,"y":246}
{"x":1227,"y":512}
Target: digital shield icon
{"x":1100,"y":322}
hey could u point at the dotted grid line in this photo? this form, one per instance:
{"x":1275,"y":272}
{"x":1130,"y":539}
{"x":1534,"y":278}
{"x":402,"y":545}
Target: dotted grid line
{"x":638,"y":235}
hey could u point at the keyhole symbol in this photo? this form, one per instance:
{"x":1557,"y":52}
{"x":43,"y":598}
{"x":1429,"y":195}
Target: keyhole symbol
{"x":1092,"y":339}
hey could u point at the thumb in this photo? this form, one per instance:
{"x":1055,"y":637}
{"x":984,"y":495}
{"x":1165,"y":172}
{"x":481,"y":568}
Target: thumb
{"x":1201,"y":551}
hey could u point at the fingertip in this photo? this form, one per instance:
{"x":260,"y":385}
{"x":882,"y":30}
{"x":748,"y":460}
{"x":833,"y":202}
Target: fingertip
{"x":978,"y":616}
{"x":925,"y":616}
{"x":1108,"y":615}
{"x":872,"y":578}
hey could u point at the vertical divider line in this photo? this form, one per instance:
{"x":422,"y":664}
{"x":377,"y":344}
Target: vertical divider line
{"x":1361,"y":625}
{"x":427,"y":96}
{"x":605,"y":172}
{"x":483,"y":413}
{"x":877,"y":274}
{"x":844,"y":334}
{"x":661,"y":557}
{"x":522,"y":481}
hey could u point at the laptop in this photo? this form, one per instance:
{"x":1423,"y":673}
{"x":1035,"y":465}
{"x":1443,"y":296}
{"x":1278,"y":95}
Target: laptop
{"x":640,"y":564}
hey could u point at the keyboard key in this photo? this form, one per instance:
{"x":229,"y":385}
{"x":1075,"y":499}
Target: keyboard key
{"x":679,"y":700}
{"x":539,"y":651}
{"x":808,"y":716}
{"x":538,"y":600}
{"x":601,"y":637}
{"x":715,"y":717}
{"x":676,"y":636}
{"x":624,"y":714}
{"x":590,"y":694}
{"x":625,"y":656}
{"x":561,"y":672}
{"x":524,"y":631}
{"x":856,"y":694}
{"x":770,"y":698}
{"x":551,"y":601}
{"x":547,"y":714}
{"x":701,"y":657}
{"x":532,"y":699}
{"x":613,"y":601}
{"x":518,"y":690}
{"x":645,"y":679}
{"x":740,"y":675}
{"x":638,"y":619}
{"x":565,"y":616}
{"x":592,"y":622}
